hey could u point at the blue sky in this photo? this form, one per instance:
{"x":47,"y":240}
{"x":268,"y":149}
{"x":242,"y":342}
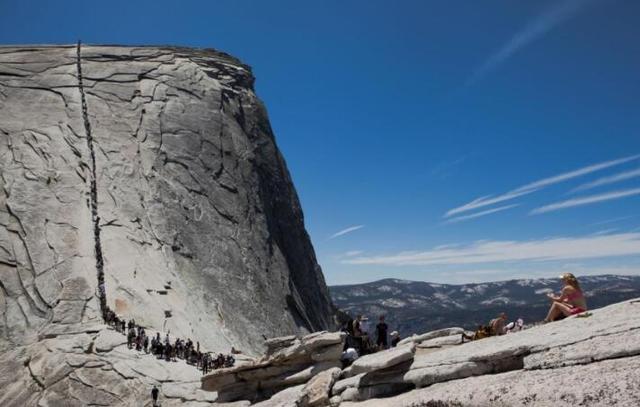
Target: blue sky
{"x":449,"y":141}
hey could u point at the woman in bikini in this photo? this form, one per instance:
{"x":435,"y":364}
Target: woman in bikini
{"x":571,"y":300}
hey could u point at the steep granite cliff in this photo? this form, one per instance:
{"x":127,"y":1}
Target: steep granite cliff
{"x":155,"y":169}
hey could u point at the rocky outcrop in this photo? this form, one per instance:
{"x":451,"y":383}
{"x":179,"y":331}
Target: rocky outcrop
{"x":93,"y":367}
{"x":556,"y":364}
{"x":148,"y":180}
{"x":289,"y":362}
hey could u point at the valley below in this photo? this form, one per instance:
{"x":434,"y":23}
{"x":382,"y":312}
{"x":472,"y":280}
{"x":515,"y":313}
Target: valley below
{"x":413,"y":306}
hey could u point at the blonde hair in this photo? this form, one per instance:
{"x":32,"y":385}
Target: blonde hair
{"x":570,"y":279}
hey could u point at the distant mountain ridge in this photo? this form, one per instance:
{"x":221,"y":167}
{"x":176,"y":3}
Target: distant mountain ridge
{"x":416,"y":306}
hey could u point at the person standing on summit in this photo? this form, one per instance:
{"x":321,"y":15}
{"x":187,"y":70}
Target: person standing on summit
{"x":381,"y":334}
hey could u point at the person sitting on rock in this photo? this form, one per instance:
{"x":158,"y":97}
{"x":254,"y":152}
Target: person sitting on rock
{"x":381,"y":333}
{"x":348,"y":357}
{"x":497,"y":325}
{"x":571,"y":300}
{"x":481,"y":333}
{"x":395,"y":338}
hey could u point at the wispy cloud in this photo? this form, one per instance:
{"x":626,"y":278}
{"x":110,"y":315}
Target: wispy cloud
{"x":558,"y":248}
{"x":445,"y":169}
{"x":352,"y":253}
{"x":480,"y":214}
{"x":345,"y":231}
{"x":537,"y":185}
{"x":623,"y":176}
{"x":587,"y":200}
{"x":612,"y":220}
{"x":556,"y":14}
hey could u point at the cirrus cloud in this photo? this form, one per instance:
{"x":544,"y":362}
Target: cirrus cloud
{"x":587,"y":200}
{"x":345,"y":231}
{"x":537,"y":185}
{"x":488,"y":251}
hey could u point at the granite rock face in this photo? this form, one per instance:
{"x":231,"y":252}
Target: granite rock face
{"x":166,"y":182}
{"x":289,"y":362}
{"x":557,"y":364}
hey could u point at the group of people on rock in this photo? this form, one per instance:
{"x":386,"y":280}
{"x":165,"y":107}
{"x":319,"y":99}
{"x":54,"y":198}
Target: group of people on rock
{"x":570,"y":301}
{"x":361,"y":340}
{"x":497,"y":326}
{"x":163,"y":348}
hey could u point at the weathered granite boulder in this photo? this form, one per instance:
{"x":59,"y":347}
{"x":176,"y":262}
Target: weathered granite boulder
{"x":553,"y":364}
{"x":432,"y":335}
{"x":609,"y":383}
{"x":289,"y":362}
{"x":72,"y":370}
{"x":442,"y":341}
{"x":381,"y":360}
{"x":317,"y":391}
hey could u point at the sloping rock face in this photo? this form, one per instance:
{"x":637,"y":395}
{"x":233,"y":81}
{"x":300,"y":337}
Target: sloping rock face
{"x":155,"y":171}
{"x":289,"y":362}
{"x":201,"y":230}
{"x":557,"y":364}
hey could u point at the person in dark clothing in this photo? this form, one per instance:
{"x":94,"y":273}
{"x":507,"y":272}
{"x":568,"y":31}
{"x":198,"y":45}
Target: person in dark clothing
{"x":131,"y":336}
{"x":167,"y":352}
{"x":381,"y":333}
{"x":154,"y":395}
{"x":205,"y":363}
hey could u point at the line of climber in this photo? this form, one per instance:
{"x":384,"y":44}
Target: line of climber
{"x":138,"y":339}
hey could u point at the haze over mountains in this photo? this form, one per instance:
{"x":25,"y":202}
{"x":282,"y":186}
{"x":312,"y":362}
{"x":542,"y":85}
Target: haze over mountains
{"x":416,"y":306}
